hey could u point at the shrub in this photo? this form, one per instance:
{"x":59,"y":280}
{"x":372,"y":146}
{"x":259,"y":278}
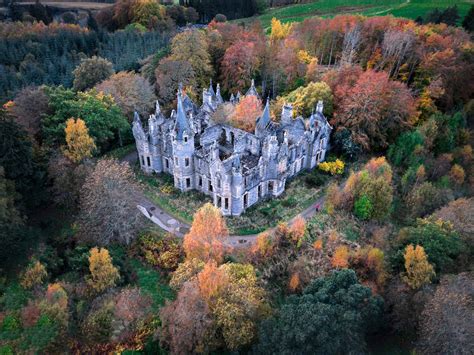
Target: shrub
{"x":334,"y":168}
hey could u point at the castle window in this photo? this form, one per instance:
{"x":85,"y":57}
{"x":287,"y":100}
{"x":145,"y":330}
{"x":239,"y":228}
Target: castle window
{"x":188,"y":182}
{"x":186,"y":162}
{"x":270,"y":186}
{"x":219,"y":201}
{"x":148,"y":161}
{"x":246,"y":200}
{"x":200,"y":181}
{"x":167,"y":163}
{"x":143,"y":159}
{"x":218,"y":183}
{"x":176,"y":161}
{"x":259,"y":190}
{"x":185,"y":139}
{"x":210,"y":186}
{"x":226,"y":203}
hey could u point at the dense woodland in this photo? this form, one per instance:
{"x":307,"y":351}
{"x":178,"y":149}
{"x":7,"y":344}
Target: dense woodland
{"x":387,"y":260}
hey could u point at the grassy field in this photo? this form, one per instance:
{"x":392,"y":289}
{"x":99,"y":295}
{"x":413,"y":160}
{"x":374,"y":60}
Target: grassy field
{"x":329,"y":8}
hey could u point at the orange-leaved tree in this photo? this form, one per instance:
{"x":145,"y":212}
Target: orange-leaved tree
{"x":206,"y":239}
{"x":246,"y":113}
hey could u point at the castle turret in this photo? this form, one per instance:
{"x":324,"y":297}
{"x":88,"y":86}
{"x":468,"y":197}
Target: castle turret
{"x":219,"y":99}
{"x":320,"y":107}
{"x":183,"y":149}
{"x":263,"y":121}
{"x":286,"y":114}
{"x":252,"y":91}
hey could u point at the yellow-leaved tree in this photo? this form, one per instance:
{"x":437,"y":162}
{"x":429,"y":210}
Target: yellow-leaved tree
{"x":34,"y":275}
{"x":279,"y":30}
{"x":103,"y":273}
{"x":79,"y":144}
{"x":418,"y":270}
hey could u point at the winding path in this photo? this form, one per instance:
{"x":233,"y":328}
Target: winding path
{"x":173,"y":225}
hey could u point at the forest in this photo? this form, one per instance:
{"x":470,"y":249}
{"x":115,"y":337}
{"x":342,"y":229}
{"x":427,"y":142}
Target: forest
{"x":383,"y":266}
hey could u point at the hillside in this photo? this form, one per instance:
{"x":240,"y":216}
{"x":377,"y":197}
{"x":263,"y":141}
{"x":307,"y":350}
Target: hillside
{"x":329,"y":8}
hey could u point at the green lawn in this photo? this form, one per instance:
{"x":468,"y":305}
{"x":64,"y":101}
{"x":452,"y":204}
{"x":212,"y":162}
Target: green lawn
{"x":297,"y":196}
{"x":329,"y":8}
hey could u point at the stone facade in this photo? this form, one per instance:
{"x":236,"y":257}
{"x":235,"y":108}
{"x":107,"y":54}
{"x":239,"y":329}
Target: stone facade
{"x":236,"y":168}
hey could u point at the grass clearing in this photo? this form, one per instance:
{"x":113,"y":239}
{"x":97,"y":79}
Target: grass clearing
{"x":152,"y":284}
{"x":330,"y":8}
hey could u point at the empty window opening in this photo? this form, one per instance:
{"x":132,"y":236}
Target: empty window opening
{"x":259,"y":190}
{"x":148,"y":161}
{"x":270,"y":186}
{"x":226,"y":203}
{"x":188,"y":182}
{"x":219,"y":201}
{"x":186,"y":162}
{"x":167,"y":163}
{"x":210,"y":185}
{"x":200,"y":181}
{"x":246,"y":200}
{"x":143,"y":159}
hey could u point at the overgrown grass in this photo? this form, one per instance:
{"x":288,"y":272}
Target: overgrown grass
{"x":121,"y":152}
{"x":329,"y":8}
{"x":152,"y":284}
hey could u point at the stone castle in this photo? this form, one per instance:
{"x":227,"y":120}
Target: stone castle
{"x":236,"y":168}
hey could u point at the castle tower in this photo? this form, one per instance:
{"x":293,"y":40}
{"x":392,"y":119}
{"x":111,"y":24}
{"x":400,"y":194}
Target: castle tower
{"x":183,"y":149}
{"x":286,"y":114}
{"x":142,"y":144}
{"x":263,"y":121}
{"x":155,"y":139}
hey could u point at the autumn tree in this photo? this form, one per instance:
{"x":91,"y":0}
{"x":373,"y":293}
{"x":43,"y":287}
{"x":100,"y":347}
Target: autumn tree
{"x":191,"y":46}
{"x":459,"y":213}
{"x":206,"y":239}
{"x":305,"y":98}
{"x":108,"y":211}
{"x":34,"y":275}
{"x":239,"y":65}
{"x":79,"y":145}
{"x":131,"y":92}
{"x":339,"y":309}
{"x":438,"y":239}
{"x":418,"y":270}
{"x":239,"y":306}
{"x":103,"y":274}
{"x":340,"y":259}
{"x":28,"y":107}
{"x":298,"y":229}
{"x":169,"y":74}
{"x":375,"y":110}
{"x":246,"y":113}
{"x":90,"y":72}
{"x":185,"y":271}
{"x":278,"y":30}
{"x":188,"y":325}
{"x":102,"y":116}
{"x":67,"y":180}
{"x":447,"y":318}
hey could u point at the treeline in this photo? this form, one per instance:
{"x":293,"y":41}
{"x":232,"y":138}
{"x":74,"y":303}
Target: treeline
{"x":232,"y":9}
{"x":39,"y":55}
